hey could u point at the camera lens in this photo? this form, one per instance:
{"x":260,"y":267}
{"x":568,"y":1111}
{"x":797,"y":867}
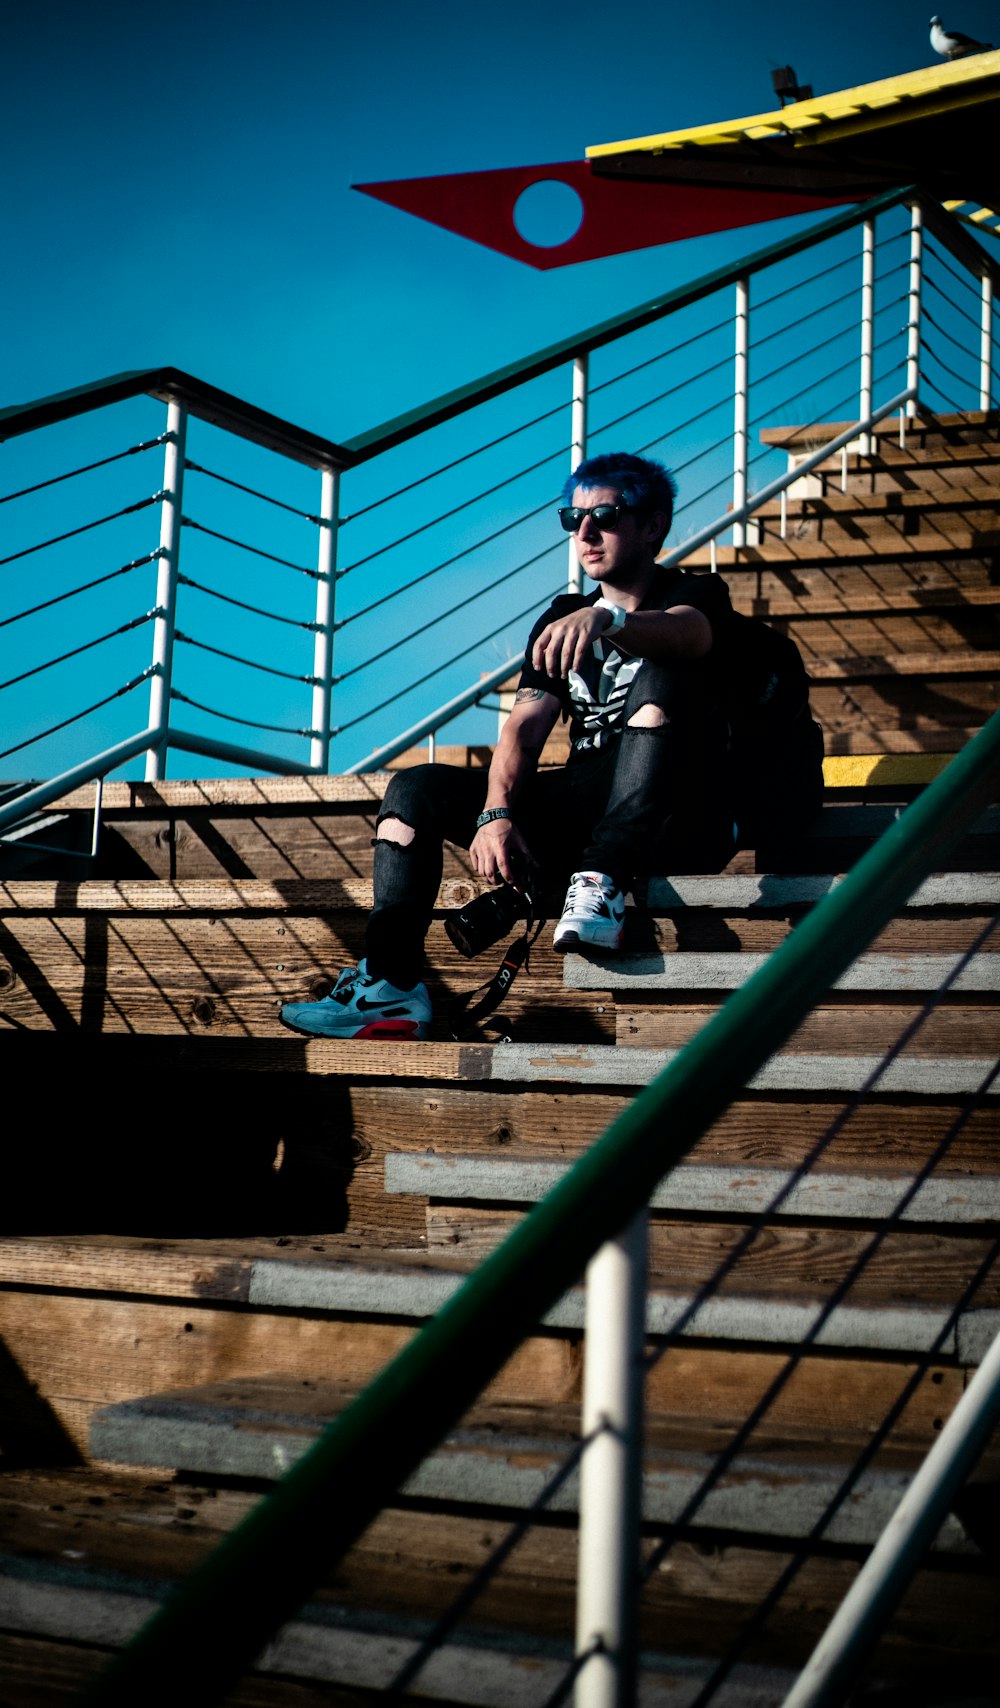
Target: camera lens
{"x":486,"y":919}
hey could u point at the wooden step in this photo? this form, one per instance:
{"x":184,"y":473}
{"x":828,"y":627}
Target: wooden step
{"x":257,"y":1430}
{"x":115,"y":1543}
{"x":974,"y":492}
{"x":942,"y":435}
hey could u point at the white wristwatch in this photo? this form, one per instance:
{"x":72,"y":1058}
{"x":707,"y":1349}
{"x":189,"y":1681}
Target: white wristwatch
{"x":618,"y":616}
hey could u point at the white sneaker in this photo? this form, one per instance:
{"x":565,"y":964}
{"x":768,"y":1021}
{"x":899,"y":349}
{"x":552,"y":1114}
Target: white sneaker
{"x":593,"y":916}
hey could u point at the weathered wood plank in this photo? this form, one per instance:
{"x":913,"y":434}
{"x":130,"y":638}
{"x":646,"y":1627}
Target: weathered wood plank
{"x":831,"y":1029}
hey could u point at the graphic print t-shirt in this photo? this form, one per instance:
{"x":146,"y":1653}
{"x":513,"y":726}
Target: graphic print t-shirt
{"x":593,"y":698}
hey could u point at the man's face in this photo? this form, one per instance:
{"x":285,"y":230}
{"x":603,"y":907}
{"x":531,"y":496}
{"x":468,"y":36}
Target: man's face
{"x":620,"y":555}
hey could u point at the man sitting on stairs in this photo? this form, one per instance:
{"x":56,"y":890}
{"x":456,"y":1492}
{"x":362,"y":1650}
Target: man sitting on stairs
{"x":637,"y":668}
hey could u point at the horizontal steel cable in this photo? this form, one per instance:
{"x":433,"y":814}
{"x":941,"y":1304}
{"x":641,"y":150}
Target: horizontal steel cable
{"x":446,"y":468}
{"x":546,"y":598}
{"x":663,"y":355}
{"x":86,"y":468}
{"x":85,"y":587}
{"x":452,"y":611}
{"x":927,"y":316}
{"x":961,"y":276}
{"x":725,"y":362}
{"x":255,"y":551}
{"x":254,"y":492}
{"x":54,"y":729}
{"x":251,"y":663}
{"x":842,"y":402}
{"x":801,"y":284}
{"x":242,"y":605}
{"x":71,"y":534}
{"x":973,"y":320}
{"x":940,"y":392}
{"x":456,"y":510}
{"x":86,"y":646}
{"x":805,"y":355}
{"x":960,"y":379}
{"x":231,"y":718}
{"x":415,"y":581}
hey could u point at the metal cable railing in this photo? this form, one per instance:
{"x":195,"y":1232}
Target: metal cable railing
{"x":513,"y":428}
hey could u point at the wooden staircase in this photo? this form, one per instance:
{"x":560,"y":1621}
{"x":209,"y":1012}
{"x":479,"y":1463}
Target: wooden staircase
{"x":217,"y":1232}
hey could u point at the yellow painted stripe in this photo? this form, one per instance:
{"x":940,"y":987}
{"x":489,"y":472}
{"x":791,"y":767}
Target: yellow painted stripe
{"x":860,"y":770}
{"x":956,"y":83}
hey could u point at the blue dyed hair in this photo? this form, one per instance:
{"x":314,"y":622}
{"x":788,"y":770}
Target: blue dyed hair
{"x":643,"y":485}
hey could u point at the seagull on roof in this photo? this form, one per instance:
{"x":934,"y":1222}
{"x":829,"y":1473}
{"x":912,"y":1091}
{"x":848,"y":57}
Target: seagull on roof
{"x":951,"y":44}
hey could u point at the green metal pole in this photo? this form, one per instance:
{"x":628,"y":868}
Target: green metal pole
{"x":210,"y":1630}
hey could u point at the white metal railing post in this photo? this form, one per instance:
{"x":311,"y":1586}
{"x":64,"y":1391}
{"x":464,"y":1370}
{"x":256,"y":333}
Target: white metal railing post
{"x":611,"y":1471}
{"x":913,"y":325}
{"x":164,"y":624}
{"x":326,"y":587}
{"x":741,"y":406}
{"x":867,"y":329}
{"x":986,"y":345}
{"x":578,"y":450}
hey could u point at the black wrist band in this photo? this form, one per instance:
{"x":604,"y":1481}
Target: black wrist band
{"x":490,"y":814}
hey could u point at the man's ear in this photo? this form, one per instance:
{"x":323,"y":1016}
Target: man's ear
{"x":655,"y":527}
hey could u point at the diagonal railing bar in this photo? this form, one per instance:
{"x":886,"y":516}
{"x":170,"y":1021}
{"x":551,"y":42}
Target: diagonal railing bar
{"x":853,"y":1476}
{"x":903,"y":1543}
{"x":665,"y":1540}
{"x":225,"y":1612}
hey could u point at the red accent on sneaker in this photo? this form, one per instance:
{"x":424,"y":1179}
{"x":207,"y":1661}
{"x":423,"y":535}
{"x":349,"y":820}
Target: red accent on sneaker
{"x":389,"y":1029}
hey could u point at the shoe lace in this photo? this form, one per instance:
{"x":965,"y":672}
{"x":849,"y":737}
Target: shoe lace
{"x":344,"y":988}
{"x":586,"y":896}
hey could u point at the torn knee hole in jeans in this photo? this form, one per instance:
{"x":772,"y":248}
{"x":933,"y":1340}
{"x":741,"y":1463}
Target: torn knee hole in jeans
{"x":394,"y":831}
{"x":655,"y":718}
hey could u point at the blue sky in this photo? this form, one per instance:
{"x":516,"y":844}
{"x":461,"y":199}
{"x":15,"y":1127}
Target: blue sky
{"x":177,"y":183}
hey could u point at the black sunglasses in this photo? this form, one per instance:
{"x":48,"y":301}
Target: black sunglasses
{"x":604,"y":516}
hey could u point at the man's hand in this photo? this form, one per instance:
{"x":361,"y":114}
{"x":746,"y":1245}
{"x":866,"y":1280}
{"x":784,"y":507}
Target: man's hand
{"x":563,"y":645}
{"x":497,"y":849}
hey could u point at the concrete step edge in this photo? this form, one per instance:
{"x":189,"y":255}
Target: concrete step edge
{"x":411,"y":1293}
{"x":656,"y":970}
{"x":772,"y":1495}
{"x":709,"y":1190}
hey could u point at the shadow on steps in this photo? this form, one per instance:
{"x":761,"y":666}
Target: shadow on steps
{"x":209,"y":1153}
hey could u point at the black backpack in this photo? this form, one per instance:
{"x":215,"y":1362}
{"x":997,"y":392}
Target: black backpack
{"x":776,"y":746}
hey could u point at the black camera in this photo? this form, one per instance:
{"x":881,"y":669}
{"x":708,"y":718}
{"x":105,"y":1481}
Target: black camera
{"x":488,"y":918}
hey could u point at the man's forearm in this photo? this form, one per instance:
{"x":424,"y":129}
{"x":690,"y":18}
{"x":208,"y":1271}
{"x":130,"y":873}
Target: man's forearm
{"x":515,"y":759}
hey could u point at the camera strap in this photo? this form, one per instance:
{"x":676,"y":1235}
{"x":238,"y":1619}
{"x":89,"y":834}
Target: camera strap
{"x":467,"y":1010}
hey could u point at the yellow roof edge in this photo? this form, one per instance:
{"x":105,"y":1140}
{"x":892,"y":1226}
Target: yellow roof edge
{"x":804,"y":114}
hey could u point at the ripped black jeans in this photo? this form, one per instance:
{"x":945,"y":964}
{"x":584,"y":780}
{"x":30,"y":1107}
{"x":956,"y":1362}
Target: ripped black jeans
{"x":651,"y":800}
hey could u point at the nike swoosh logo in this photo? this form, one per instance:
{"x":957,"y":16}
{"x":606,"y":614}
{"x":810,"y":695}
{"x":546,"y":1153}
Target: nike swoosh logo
{"x":364,"y":1005}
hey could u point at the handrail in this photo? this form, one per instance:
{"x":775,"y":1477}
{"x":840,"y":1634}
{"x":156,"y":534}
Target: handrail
{"x":228,"y":1608}
{"x":220,"y":408}
{"x":232,"y":413}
